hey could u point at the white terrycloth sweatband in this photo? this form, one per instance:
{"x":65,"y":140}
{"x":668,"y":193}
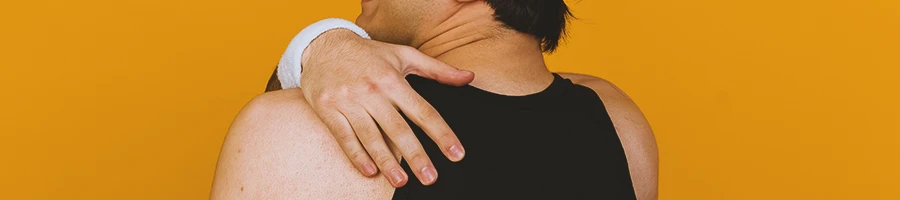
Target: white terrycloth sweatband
{"x":289,"y":67}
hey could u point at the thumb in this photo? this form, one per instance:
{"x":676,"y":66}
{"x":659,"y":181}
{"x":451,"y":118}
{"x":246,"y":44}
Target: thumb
{"x":425,"y":66}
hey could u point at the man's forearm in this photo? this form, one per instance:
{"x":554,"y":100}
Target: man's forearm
{"x":332,"y":41}
{"x":318,"y":46}
{"x":290,"y":65}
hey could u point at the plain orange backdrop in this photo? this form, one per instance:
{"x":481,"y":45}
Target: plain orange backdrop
{"x":765,"y":99}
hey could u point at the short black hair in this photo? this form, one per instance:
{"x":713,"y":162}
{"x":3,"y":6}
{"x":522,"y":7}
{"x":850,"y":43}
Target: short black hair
{"x":545,"y":19}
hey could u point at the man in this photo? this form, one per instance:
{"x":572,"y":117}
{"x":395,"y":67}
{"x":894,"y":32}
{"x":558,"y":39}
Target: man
{"x":279,"y":148}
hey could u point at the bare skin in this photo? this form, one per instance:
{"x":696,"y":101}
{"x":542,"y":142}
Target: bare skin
{"x":278,"y":148}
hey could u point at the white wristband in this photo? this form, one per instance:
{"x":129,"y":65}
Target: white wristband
{"x":290,"y":65}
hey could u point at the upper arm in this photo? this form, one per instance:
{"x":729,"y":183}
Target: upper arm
{"x":634,"y":132}
{"x":278,"y":149}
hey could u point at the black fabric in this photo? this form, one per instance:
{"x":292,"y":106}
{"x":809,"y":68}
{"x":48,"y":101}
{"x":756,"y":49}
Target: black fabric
{"x":556,"y":144}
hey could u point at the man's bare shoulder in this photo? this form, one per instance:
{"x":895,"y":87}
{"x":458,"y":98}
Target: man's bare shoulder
{"x":277,"y":148}
{"x":633,"y":129}
{"x":603,"y":87}
{"x":616,"y":101}
{"x":276,"y":102}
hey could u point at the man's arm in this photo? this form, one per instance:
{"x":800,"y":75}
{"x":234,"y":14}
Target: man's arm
{"x":356,"y":85}
{"x":634,"y":132}
{"x":278,"y":149}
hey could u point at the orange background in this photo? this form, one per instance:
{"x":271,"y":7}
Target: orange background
{"x":766,"y":99}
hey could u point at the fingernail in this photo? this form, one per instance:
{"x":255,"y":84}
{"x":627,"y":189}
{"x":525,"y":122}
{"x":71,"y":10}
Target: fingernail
{"x":428,"y":175}
{"x":369,"y":169}
{"x":457,"y":153}
{"x":468,"y":73}
{"x":397,"y":176}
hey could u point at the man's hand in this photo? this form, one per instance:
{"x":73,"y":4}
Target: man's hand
{"x":356,"y":86}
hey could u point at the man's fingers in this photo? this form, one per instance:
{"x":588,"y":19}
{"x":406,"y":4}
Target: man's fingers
{"x":374,"y":143}
{"x":345,"y":136}
{"x":415,"y":62}
{"x":399,"y":132}
{"x":423,"y":114}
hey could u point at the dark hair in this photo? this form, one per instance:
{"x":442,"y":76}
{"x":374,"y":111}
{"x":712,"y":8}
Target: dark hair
{"x":274,"y":83}
{"x":545,"y":19}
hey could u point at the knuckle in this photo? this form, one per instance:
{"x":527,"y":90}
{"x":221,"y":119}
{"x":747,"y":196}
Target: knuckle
{"x":345,"y":138}
{"x":371,"y":86}
{"x":389,"y":79}
{"x":406,"y":49}
{"x":369,"y":137}
{"x":324,"y":99}
{"x":418,"y":157}
{"x":344,"y":92}
{"x":333,"y":97}
{"x":428,"y":115}
{"x":359,"y":156}
{"x":386,"y":161}
{"x":400,"y":127}
{"x":443,"y":138}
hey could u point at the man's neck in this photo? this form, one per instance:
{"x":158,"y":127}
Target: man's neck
{"x":504,"y":61}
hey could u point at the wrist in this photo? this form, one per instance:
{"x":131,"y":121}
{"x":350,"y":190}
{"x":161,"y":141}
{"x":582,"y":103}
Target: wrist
{"x":290,"y":66}
{"x":330,"y":40}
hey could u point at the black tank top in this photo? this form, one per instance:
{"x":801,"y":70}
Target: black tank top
{"x":556,"y":144}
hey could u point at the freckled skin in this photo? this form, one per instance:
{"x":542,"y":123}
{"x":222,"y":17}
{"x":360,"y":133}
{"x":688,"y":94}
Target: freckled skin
{"x":277,"y":148}
{"x":288,"y":153}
